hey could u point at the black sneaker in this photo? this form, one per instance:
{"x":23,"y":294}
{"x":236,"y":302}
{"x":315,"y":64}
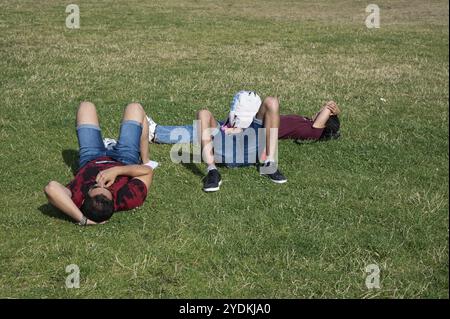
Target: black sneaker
{"x":272,"y":172}
{"x":212,"y":181}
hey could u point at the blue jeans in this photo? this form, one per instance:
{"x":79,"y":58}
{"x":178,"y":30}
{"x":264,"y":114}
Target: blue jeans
{"x":232,"y":150}
{"x":242,"y":149}
{"x":174,"y":134}
{"x":127,"y":149}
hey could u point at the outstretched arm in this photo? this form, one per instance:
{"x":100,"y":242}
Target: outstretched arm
{"x":61,"y":197}
{"x":321,"y":118}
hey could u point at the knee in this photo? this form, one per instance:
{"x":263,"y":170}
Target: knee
{"x":204,"y":113}
{"x":50,"y":187}
{"x":134,"y":109}
{"x":272,"y":104}
{"x":86,"y":105}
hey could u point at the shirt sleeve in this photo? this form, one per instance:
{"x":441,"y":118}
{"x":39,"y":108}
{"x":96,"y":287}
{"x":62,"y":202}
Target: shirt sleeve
{"x":131,"y":195}
{"x":75,"y":188}
{"x":298,"y":127}
{"x":308,"y":132}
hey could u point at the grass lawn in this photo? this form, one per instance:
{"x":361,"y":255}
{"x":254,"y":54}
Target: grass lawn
{"x":379,"y":195}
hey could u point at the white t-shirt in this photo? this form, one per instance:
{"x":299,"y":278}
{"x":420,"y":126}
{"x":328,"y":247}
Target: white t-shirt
{"x":244,"y":107}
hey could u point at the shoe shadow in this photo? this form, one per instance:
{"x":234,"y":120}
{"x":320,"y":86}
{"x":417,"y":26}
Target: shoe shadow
{"x":194,"y":169}
{"x":70,"y":157}
{"x":51,"y":211}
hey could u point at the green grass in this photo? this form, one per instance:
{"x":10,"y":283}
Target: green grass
{"x":378,"y":195}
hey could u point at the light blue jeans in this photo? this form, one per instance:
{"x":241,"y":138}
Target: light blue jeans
{"x":174,"y":134}
{"x":127,"y":149}
{"x":225,"y":147}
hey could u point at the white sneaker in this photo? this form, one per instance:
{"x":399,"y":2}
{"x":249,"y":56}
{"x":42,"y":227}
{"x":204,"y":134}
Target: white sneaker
{"x":109,"y":143}
{"x":151,"y":129}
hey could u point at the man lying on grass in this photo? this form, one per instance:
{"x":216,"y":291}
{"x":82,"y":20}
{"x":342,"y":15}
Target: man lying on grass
{"x":323,"y":126}
{"x":108,"y":180}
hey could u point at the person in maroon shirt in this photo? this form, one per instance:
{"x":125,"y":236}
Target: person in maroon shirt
{"x":108,"y":180}
{"x":324,"y":125}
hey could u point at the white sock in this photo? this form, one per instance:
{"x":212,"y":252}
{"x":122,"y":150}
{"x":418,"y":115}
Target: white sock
{"x":211,"y":167}
{"x":152,"y":164}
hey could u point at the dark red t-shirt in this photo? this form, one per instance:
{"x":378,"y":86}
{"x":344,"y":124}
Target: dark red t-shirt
{"x":298,"y":127}
{"x":127,"y":193}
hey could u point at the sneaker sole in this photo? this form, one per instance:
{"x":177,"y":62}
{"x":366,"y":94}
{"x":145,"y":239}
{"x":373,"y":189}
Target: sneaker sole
{"x":278,"y":182}
{"x":214,"y":189}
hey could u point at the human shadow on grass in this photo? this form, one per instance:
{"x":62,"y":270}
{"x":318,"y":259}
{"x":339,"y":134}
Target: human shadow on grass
{"x":51,"y":211}
{"x":70,"y":157}
{"x":194,"y":169}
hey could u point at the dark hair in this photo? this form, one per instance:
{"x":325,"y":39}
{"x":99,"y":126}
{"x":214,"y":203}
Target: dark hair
{"x":331,"y":130}
{"x":98,"y":208}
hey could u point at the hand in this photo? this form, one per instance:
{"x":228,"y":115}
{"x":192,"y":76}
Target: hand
{"x":92,"y":223}
{"x":107,"y":177}
{"x":232,"y":130}
{"x":333,"y":108}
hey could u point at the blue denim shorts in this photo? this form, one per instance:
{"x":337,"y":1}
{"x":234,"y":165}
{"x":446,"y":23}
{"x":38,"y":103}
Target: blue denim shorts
{"x":242,"y":149}
{"x":127,"y":149}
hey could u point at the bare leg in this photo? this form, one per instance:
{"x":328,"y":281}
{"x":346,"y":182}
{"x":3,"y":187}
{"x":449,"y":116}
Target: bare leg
{"x":135,"y":112}
{"x":207,"y":122}
{"x":87,"y":114}
{"x":144,"y":141}
{"x":269,"y":113}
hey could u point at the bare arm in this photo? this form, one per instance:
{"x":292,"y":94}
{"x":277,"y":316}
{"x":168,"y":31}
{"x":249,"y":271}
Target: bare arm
{"x":61,"y":197}
{"x":321,"y":118}
{"x":142,"y":172}
{"x":146,"y":179}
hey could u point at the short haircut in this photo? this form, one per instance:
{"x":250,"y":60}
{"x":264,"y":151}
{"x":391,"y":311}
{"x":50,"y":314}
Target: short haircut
{"x":98,"y":208}
{"x":332,"y":129}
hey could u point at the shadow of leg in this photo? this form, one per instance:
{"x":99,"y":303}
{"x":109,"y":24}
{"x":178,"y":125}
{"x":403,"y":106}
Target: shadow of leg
{"x":70,"y":157}
{"x":194,"y":169}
